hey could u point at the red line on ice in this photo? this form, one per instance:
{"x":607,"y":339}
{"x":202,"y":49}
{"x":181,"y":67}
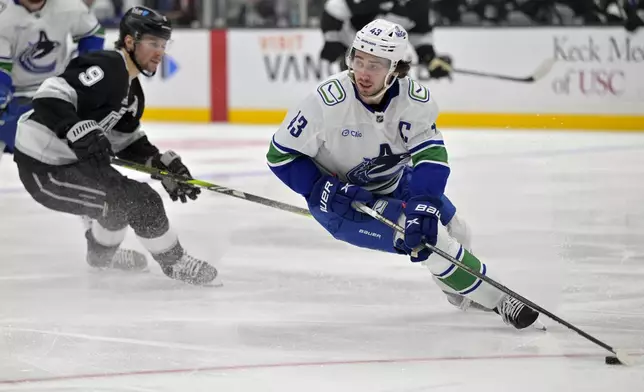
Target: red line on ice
{"x":207,"y":144}
{"x":287,"y":365}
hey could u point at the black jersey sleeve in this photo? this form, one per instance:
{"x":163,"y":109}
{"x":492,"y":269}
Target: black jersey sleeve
{"x":139,"y":151}
{"x":421,"y":33}
{"x":89,"y":82}
{"x":330,"y":24}
{"x":336,"y":12}
{"x":361,"y":7}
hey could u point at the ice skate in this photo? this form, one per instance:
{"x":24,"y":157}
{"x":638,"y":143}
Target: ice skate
{"x":192,"y":270}
{"x":463,"y":303}
{"x":516,"y":313}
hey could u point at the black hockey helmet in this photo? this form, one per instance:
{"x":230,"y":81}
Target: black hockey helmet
{"x":139,"y":21}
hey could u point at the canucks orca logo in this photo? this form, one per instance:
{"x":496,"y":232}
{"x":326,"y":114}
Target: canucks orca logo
{"x":29,"y":58}
{"x":382,"y":168}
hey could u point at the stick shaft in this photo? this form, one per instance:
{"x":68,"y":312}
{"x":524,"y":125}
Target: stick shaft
{"x":526,"y":79}
{"x":211,"y":187}
{"x":363,"y":208}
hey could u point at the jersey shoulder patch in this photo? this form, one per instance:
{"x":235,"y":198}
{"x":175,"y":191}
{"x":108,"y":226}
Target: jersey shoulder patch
{"x":332,"y":92}
{"x":418,"y":92}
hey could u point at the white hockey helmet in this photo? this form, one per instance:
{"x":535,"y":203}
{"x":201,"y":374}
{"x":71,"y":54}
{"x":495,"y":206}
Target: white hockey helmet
{"x":383,"y":39}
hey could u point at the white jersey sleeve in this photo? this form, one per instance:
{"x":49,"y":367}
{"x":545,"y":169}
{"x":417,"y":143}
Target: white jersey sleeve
{"x":422,"y":138}
{"x":301,"y":133}
{"x":83,"y":21}
{"x":7,"y":39}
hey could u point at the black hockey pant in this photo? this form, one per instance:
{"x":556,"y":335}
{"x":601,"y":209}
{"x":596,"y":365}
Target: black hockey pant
{"x":104,"y":194}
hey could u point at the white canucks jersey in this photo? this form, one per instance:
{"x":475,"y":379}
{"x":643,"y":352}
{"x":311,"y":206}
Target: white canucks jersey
{"x":34,"y":45}
{"x":362,"y":146}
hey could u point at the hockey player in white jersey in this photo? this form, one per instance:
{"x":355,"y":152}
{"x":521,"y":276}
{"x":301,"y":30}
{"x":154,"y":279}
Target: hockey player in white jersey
{"x":33,"y":47}
{"x":369,"y":134}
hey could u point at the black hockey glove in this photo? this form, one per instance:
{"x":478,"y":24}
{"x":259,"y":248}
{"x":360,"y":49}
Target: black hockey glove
{"x":438,"y":66}
{"x":334,"y":51}
{"x":170,"y":161}
{"x":89,"y":143}
{"x":634,"y":16}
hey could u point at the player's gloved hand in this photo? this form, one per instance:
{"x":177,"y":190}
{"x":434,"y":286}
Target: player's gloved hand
{"x":334,"y":196}
{"x":440,"y":67}
{"x":170,"y":161}
{"x":634,"y":17}
{"x":89,"y":143}
{"x":333,"y":51}
{"x":422,"y":217}
{"x":5,"y":97}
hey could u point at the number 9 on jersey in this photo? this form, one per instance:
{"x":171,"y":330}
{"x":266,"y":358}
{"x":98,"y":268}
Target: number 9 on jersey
{"x":92,"y":76}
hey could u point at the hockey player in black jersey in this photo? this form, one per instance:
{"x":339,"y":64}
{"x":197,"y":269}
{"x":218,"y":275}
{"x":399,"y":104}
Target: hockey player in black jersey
{"x":341,"y":20}
{"x":84,"y":116}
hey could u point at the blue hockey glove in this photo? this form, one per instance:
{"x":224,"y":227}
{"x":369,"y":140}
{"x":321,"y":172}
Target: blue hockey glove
{"x":5,"y":97}
{"x":331,"y":195}
{"x":11,"y":108}
{"x":422,"y":217}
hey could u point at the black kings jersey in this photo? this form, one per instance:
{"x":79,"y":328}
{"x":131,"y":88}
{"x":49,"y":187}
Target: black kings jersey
{"x":95,"y":86}
{"x":413,"y":15}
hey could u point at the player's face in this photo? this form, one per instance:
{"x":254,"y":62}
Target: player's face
{"x":369,"y":72}
{"x":32,"y":5}
{"x":150,"y":51}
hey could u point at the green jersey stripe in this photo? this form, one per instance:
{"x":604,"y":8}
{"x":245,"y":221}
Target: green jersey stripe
{"x":276,"y":157}
{"x":435,"y":153}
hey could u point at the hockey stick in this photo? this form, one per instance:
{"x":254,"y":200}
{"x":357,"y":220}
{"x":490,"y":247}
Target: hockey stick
{"x":210,"y":186}
{"x":621,"y":356}
{"x":541,"y":71}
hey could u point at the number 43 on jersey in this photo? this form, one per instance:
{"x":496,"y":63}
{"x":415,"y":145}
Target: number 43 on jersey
{"x":297,"y":124}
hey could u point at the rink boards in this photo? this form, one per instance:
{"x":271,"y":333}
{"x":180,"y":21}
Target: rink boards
{"x":590,"y":78}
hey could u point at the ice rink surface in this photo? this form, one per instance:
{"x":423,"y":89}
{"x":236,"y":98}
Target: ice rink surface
{"x":558,"y":217}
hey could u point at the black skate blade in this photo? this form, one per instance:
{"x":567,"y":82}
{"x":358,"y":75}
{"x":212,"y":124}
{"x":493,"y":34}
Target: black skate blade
{"x":539,"y":326}
{"x":116,"y":271}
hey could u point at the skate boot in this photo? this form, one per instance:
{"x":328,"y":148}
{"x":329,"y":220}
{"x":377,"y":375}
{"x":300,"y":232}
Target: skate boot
{"x":129,"y":260}
{"x":460,"y":301}
{"x":112,"y":257}
{"x":191,"y":270}
{"x":516,"y":313}
{"x":463,"y":303}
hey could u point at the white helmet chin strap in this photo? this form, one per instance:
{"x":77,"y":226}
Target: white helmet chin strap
{"x":391,"y":76}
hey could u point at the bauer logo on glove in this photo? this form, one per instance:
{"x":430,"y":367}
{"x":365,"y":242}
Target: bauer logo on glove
{"x":428,"y":209}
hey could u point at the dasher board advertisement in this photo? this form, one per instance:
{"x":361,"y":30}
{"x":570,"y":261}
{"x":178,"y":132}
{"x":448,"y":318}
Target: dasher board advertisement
{"x":585,"y":77}
{"x":180,"y":89}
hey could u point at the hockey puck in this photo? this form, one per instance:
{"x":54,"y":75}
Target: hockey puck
{"x":612,"y":360}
